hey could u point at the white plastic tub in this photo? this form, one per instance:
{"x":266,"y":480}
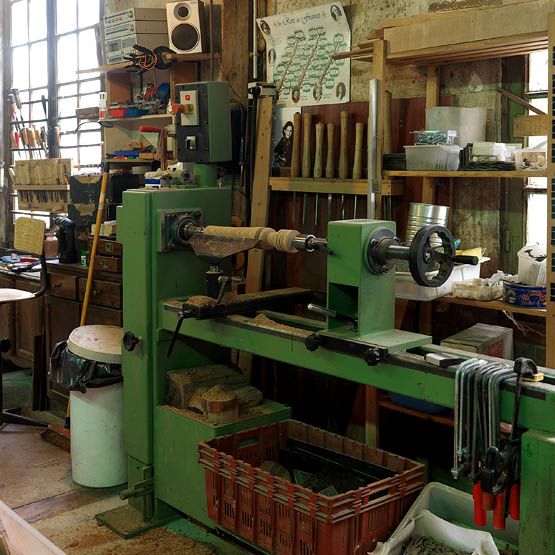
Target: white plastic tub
{"x":407,"y":288}
{"x":98,"y":459}
{"x":433,"y":157}
{"x":22,"y":538}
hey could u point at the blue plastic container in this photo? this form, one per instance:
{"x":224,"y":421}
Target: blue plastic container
{"x":416,"y":404}
{"x":527,"y":296}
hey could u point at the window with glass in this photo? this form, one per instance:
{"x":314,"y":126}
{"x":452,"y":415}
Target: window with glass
{"x":57,"y":38}
{"x":536,"y":187}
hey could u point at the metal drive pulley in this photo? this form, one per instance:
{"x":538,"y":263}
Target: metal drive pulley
{"x":431,"y":254}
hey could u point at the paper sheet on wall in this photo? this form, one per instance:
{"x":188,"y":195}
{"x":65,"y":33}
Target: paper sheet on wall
{"x":299,"y":49}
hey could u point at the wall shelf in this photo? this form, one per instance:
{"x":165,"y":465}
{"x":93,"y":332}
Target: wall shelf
{"x":515,"y":174}
{"x":494,"y":305}
{"x":307,"y":185}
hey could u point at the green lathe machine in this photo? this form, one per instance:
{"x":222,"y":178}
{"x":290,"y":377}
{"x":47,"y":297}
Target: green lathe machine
{"x":176,"y":242}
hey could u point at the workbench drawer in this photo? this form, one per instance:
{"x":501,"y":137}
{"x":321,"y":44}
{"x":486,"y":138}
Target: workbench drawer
{"x":107,"y":264}
{"x":63,"y":286}
{"x":109,"y":248}
{"x":100,"y":315}
{"x":103,"y":293}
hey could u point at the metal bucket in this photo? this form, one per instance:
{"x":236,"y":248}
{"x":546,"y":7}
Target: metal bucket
{"x":421,"y":215}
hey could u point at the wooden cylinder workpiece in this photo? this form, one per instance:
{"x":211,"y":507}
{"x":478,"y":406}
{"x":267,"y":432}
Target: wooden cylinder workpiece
{"x":318,"y":167}
{"x":343,"y":146}
{"x":330,"y":161}
{"x":307,"y":125}
{"x":296,"y":152}
{"x":357,"y":164}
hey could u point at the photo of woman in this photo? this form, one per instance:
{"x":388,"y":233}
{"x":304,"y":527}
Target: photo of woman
{"x":282,"y":151}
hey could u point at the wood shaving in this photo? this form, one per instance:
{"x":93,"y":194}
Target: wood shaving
{"x":160,"y":541}
{"x":420,"y":545}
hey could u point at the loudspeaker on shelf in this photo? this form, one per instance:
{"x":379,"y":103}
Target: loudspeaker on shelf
{"x":185,"y":26}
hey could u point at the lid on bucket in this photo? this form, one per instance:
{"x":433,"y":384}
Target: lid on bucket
{"x":98,"y":343}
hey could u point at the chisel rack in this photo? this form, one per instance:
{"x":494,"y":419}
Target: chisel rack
{"x":43,"y":185}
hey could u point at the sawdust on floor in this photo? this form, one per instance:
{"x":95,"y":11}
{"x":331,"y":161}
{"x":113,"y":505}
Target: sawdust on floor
{"x":160,"y":541}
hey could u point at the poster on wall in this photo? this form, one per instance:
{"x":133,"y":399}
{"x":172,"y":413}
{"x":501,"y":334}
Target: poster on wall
{"x":299,"y":50}
{"x":282,"y":136}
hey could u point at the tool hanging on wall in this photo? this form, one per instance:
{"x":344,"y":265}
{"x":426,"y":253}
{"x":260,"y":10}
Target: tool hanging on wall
{"x":296,"y":157}
{"x":491,"y":461}
{"x":330,"y":163}
{"x":306,"y":163}
{"x":343,"y":154}
{"x":318,"y":167}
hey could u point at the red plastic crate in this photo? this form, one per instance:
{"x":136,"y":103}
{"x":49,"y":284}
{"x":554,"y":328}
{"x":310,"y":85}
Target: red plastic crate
{"x":284,"y":518}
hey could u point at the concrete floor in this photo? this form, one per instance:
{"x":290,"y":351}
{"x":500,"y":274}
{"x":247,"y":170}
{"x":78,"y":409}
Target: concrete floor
{"x":35,"y":481}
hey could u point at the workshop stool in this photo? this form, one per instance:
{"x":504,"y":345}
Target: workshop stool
{"x":29,"y":238}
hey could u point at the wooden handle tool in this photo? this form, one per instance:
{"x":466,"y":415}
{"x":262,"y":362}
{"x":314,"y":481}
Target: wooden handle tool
{"x":307,"y":125}
{"x":357,"y":164}
{"x":344,"y":145}
{"x":330,"y":161}
{"x":318,"y":167}
{"x":296,"y":152}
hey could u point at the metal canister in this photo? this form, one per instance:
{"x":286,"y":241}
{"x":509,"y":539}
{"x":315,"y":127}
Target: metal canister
{"x":421,"y":215}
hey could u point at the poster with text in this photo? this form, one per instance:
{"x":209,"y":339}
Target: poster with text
{"x":299,"y":50}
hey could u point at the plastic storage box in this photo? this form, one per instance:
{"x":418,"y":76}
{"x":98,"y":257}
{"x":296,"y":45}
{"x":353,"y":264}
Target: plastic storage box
{"x":433,"y":157}
{"x":285,"y":518}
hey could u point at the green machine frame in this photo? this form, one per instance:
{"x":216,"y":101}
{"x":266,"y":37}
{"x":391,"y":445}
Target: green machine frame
{"x":164,"y":475}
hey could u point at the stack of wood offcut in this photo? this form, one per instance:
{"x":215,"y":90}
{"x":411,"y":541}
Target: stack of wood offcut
{"x":218,"y":392}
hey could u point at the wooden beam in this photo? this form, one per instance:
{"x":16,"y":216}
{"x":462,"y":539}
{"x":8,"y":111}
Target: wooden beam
{"x":235,"y":54}
{"x":260,"y":189}
{"x":521,"y":101}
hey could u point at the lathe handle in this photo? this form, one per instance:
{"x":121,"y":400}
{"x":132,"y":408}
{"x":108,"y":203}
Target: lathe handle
{"x":463,"y":259}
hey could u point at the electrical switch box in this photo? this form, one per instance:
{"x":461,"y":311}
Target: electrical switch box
{"x":203,"y":126}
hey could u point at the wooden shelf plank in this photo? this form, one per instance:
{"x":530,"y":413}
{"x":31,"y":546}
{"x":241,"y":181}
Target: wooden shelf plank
{"x":445,"y":419}
{"x":335,"y":186}
{"x":136,"y":161}
{"x":494,"y":305}
{"x":515,"y":174}
{"x":125,"y":67}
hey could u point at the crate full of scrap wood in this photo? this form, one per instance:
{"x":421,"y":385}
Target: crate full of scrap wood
{"x":43,"y":185}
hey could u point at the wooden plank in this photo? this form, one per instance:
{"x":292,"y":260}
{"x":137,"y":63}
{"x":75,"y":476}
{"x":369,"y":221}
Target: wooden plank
{"x":465,"y":174}
{"x":260,"y":190}
{"x":494,"y":305}
{"x":432,"y":86}
{"x":520,"y":101}
{"x":531,"y":126}
{"x":437,"y":418}
{"x":235,"y":55}
{"x":464,"y":26}
{"x":333,"y":186}
{"x":393,"y":187}
{"x":372,"y":411}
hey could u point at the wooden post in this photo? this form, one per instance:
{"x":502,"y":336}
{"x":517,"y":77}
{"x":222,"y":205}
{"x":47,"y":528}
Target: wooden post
{"x":432,"y":99}
{"x":260,"y":189}
{"x":550,"y":320}
{"x":372,"y":408}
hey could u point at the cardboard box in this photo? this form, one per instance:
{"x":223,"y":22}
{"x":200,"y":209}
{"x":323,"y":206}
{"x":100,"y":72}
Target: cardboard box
{"x":484,"y":339}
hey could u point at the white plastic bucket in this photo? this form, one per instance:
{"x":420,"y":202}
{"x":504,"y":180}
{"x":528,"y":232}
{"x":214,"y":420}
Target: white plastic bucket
{"x":470,"y":123}
{"x":98,"y":458}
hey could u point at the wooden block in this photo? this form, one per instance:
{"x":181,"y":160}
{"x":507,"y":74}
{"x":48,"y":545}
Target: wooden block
{"x":182,"y":384}
{"x":531,"y":126}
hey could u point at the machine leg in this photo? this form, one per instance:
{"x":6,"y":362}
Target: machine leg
{"x":537,"y":501}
